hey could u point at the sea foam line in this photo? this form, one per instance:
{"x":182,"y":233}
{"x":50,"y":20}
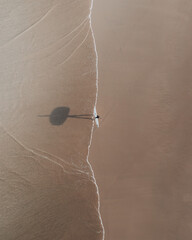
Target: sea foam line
{"x":97,"y":188}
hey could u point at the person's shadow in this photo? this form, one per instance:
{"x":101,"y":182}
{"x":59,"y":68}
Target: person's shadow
{"x":60,"y":114}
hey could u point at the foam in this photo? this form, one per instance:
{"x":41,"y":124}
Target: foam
{"x":95,"y":112}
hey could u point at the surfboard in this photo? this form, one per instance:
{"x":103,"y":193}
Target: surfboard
{"x":95,"y":115}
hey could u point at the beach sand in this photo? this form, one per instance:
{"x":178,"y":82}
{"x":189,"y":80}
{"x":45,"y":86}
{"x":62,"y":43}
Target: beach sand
{"x":48,"y":72}
{"x":141,"y":154}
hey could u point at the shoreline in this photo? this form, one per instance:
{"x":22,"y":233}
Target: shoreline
{"x":95,"y":106}
{"x":141,"y":152}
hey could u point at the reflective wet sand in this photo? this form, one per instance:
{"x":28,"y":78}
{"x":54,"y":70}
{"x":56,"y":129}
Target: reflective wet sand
{"x":141,"y":154}
{"x":48,"y":79}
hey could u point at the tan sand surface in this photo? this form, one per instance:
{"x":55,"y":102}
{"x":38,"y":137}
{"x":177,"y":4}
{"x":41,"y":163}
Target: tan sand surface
{"x":47,"y":68}
{"x":141,"y":154}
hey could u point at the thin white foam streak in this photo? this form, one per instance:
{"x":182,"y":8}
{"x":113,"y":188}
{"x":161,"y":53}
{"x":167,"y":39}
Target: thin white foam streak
{"x":42,"y":155}
{"x":74,"y":51}
{"x":30,"y":27}
{"x":99,"y":213}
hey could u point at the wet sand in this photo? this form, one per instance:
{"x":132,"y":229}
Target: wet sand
{"x":48,"y":72}
{"x":141,"y":154}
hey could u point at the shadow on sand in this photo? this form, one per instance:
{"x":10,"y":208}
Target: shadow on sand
{"x":60,"y":114}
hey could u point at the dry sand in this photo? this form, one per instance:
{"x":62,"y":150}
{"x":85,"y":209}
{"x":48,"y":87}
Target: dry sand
{"x":141,"y":154}
{"x":47,"y":66}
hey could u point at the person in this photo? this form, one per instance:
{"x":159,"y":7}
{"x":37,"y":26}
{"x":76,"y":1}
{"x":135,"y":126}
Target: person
{"x":95,"y":117}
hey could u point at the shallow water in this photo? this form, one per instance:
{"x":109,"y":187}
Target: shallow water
{"x":48,"y":71}
{"x":141,"y":154}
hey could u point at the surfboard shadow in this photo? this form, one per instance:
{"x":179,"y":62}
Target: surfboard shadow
{"x":60,"y":114}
